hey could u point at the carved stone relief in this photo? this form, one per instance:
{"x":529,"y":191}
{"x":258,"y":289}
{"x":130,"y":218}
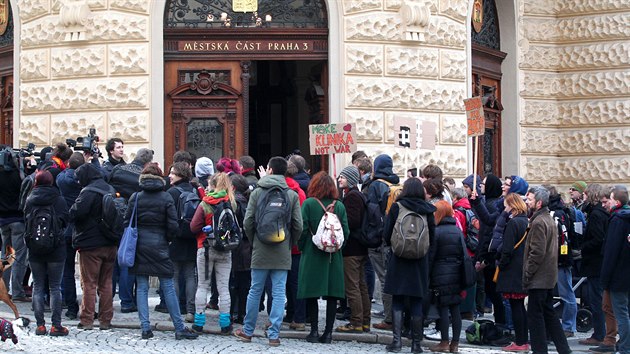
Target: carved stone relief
{"x":93,"y":4}
{"x":567,"y":170}
{"x":570,"y":7}
{"x":578,"y":57}
{"x":405,"y":94}
{"x":74,"y":125}
{"x":34,"y":65}
{"x":576,"y":113}
{"x":84,"y":61}
{"x":30,"y":9}
{"x":132,"y":5}
{"x":80,"y":95}
{"x":455,"y":9}
{"x":354,"y":6}
{"x":369,"y":124}
{"x":128,"y":59}
{"x":130,"y":126}
{"x":453,"y":129}
{"x":34,"y":129}
{"x":396,"y":4}
{"x":364,"y":59}
{"x":573,"y":142}
{"x":610,"y":83}
{"x":453,"y":64}
{"x":412,"y":61}
{"x":389,"y":122}
{"x":576,"y":29}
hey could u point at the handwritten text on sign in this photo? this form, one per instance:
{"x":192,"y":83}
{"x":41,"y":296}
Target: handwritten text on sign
{"x":327,"y":139}
{"x":475,"y":116}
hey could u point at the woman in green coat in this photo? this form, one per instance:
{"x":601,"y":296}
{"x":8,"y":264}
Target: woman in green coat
{"x":321,"y":273}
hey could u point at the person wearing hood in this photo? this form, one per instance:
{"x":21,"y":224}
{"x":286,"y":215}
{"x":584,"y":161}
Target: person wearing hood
{"x":355,"y":255}
{"x":408,"y":279}
{"x":273,"y":260}
{"x":615,"y":276}
{"x":377,"y":192}
{"x":156,"y":220}
{"x":486,"y":210}
{"x":204,"y":168}
{"x":97,"y":252}
{"x":47,"y":267}
{"x":220,"y":190}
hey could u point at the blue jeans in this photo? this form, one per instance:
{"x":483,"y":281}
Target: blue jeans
{"x":125,"y":288}
{"x":142,"y":299}
{"x":296,"y":308}
{"x":620,"y":307}
{"x":569,"y":304}
{"x":595,"y":292}
{"x":278,"y":286}
{"x":53,"y":272}
{"x":13,"y":235}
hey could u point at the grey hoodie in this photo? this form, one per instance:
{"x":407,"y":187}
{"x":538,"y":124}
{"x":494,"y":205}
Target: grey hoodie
{"x":272,"y":256}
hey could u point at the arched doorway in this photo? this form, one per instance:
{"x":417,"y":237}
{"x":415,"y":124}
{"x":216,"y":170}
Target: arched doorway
{"x":487,"y":58}
{"x":6,"y":72}
{"x":241,"y":80}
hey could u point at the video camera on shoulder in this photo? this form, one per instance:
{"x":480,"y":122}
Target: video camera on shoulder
{"x":10,"y":157}
{"x":88,"y":144}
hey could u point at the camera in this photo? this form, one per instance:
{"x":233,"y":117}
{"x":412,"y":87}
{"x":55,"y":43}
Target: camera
{"x":88,"y":144}
{"x":10,"y":158}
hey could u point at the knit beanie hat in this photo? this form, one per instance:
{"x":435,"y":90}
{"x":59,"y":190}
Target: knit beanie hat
{"x":519,"y":185}
{"x":579,"y":186}
{"x":351,"y":173}
{"x":204,"y":167}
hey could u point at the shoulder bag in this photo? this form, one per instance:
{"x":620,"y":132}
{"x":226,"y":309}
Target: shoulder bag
{"x":127,"y":248}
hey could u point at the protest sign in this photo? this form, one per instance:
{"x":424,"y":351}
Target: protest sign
{"x":328,"y":139}
{"x":475,"y":116}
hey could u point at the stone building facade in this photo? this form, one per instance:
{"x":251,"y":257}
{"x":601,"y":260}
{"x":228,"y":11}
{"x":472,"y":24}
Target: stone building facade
{"x":565,"y":88}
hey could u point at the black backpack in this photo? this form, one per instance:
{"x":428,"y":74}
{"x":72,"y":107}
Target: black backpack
{"x":112,"y":219}
{"x":226,"y":230}
{"x":187,"y":204}
{"x":372,"y":224}
{"x":273,"y":215}
{"x":472,"y":233}
{"x":43,"y":232}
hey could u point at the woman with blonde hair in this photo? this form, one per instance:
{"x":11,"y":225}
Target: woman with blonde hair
{"x":219,"y":196}
{"x":509,"y":280}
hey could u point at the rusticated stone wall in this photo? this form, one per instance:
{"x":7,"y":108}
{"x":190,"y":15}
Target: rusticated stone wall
{"x":102,"y":81}
{"x":387,"y":77}
{"x":575,"y":90}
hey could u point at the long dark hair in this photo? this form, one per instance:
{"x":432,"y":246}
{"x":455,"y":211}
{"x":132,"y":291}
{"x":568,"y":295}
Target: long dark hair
{"x":412,"y":188}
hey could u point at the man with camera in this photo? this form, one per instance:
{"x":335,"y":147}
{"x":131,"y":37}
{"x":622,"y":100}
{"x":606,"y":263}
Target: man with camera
{"x":115,"y":151}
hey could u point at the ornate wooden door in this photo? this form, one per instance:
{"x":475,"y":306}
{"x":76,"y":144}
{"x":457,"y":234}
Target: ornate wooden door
{"x":6,"y":73}
{"x":204,"y":109}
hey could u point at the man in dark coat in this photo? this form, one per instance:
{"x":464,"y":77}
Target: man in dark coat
{"x":540,"y":273}
{"x":302,"y":178}
{"x":98,"y":253}
{"x":615,"y":275}
{"x":115,"y":150}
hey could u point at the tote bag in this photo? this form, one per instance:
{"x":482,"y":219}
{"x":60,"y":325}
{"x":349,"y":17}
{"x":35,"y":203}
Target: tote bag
{"x":127,"y":248}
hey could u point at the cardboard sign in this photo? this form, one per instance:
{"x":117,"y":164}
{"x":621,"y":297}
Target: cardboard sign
{"x":327,"y":139}
{"x":406,"y":133}
{"x":475,"y":116}
{"x":427,"y":135}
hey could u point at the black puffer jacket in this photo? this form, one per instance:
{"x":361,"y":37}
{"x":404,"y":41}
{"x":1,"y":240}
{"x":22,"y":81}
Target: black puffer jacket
{"x":486,"y":227}
{"x":182,"y":249}
{"x":10,"y":194}
{"x":445,"y":257}
{"x":157,"y":222}
{"x":511,"y":262}
{"x":44,"y":196}
{"x":593,"y":240}
{"x":87,"y":210}
{"x":124,"y":178}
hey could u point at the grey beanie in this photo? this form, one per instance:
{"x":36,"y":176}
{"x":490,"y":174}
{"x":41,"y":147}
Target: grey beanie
{"x":351,"y":173}
{"x":204,"y":167}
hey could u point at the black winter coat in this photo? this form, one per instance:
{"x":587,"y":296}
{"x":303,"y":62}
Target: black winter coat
{"x":593,"y":240}
{"x":242,"y":256}
{"x":69,"y":188}
{"x":445,"y":257}
{"x":87,"y":210}
{"x":10,"y":194}
{"x":408,"y":277}
{"x":511,"y":260}
{"x":355,"y":208}
{"x":615,"y":275}
{"x":44,"y":196}
{"x":303,"y":179}
{"x":487,"y":222}
{"x":557,"y":207}
{"x":124,"y":178}
{"x":182,"y":249}
{"x":157,"y":222}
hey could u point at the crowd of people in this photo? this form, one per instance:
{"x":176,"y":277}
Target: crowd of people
{"x":522,"y":242}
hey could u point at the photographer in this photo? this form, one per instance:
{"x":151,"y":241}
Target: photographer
{"x":115,"y":151}
{"x":12,"y":225}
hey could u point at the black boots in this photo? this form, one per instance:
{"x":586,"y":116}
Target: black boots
{"x":397,"y":320}
{"x":311,"y":309}
{"x":313,"y":337}
{"x":416,"y":334}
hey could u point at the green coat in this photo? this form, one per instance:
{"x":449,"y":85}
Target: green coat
{"x":321,"y":273}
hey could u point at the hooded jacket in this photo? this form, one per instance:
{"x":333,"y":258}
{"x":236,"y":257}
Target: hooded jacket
{"x":519,"y":185}
{"x":272,"y":256}
{"x":182,"y":249}
{"x":486,"y":211}
{"x":468,"y":181}
{"x":615,"y":274}
{"x":540,"y":262}
{"x":124,"y":178}
{"x":157,"y":225}
{"x":87,"y":210}
{"x":44,"y":196}
{"x":303,"y":179}
{"x":377,"y":190}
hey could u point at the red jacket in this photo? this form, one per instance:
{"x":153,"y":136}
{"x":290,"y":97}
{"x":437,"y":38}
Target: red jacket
{"x":301,"y":197}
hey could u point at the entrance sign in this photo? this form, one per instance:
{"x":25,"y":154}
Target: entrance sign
{"x":247,"y":46}
{"x":328,"y":139}
{"x":475,"y":116}
{"x":244,"y":5}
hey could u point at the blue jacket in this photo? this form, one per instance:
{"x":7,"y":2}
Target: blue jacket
{"x":69,"y":188}
{"x":615,"y":274}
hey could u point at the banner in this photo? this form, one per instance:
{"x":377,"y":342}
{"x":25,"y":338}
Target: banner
{"x":327,"y":139}
{"x":475,"y":116}
{"x":405,"y":130}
